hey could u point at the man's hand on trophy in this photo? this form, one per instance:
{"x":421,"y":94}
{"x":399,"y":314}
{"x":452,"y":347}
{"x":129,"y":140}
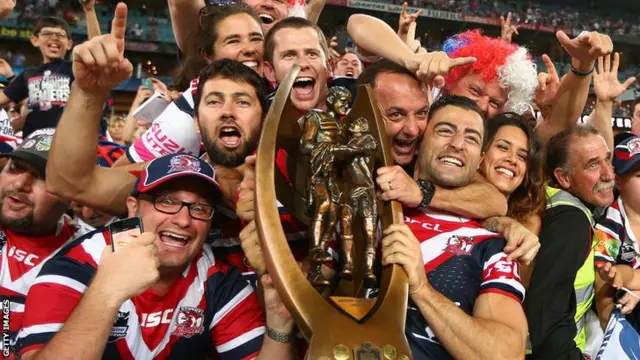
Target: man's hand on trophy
{"x":431,"y":67}
{"x":250,"y":243}
{"x":278,"y":317}
{"x":245,"y":204}
{"x":400,"y":246}
{"x":397,"y":185}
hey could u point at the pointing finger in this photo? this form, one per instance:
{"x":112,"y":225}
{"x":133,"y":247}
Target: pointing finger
{"x":119,"y":23}
{"x":551,"y":68}
{"x":563,"y":38}
{"x":462,"y":61}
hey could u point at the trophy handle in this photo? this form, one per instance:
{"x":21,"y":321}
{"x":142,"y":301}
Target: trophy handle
{"x":327,"y":328}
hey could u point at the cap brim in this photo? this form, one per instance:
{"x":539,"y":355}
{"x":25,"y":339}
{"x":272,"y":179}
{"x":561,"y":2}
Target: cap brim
{"x":216,"y":193}
{"x":38,"y":163}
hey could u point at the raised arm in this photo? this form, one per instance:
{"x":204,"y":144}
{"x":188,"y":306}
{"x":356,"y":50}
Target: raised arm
{"x":314,"y":9}
{"x":184,"y":20}
{"x":574,"y":87}
{"x":71,"y":169}
{"x":607,"y":88}
{"x":93,"y":25}
{"x":478,"y":200}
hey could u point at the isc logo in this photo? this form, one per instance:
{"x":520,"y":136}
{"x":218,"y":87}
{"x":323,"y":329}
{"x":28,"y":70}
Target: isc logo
{"x":157,"y":318}
{"x":22,"y":256}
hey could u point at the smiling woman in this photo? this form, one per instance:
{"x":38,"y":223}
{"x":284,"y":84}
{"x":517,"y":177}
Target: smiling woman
{"x":512,"y":163}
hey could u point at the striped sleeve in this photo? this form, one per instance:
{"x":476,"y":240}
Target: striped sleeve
{"x":500,"y":275}
{"x":51,"y":299}
{"x":237,"y":326}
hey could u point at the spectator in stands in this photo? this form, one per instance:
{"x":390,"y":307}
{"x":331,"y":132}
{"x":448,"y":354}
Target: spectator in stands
{"x":47,"y":87}
{"x":348,"y":66}
{"x":90,"y":218}
{"x":116,"y":127}
{"x":32,"y":222}
{"x":578,"y":166}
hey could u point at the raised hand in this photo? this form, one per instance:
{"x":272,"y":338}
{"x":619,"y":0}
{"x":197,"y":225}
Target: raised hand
{"x":507,"y":29}
{"x":99,"y":64}
{"x":428,"y":66}
{"x":130,"y":270}
{"x":87,"y":4}
{"x":586,"y":47}
{"x":605,"y":79}
{"x":245,"y":206}
{"x":548,"y":84}
{"x":5,"y":69}
{"x":406,"y":20}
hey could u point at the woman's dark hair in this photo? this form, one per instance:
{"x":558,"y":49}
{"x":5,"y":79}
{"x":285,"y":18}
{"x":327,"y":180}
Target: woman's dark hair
{"x":528,"y":198}
{"x":205,"y":38}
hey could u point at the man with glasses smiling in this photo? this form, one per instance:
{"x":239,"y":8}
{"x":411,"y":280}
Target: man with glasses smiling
{"x":162,"y":295}
{"x":46,"y":87}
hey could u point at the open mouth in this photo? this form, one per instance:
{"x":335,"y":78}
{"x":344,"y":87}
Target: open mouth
{"x":174,"y":240}
{"x":404,"y":147}
{"x":53,"y":47}
{"x":250,"y":64}
{"x":350,"y":74}
{"x":448,"y":160}
{"x":266,"y":18}
{"x":303,"y":86}
{"x":230,"y":136}
{"x":505,"y":172}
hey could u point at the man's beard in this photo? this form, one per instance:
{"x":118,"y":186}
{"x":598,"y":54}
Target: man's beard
{"x":230,"y":158}
{"x":23,"y":224}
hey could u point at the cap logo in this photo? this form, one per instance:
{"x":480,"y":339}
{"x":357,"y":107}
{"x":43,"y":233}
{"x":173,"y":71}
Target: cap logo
{"x":29,"y":144}
{"x":634,"y":147}
{"x":184,"y":163}
{"x":44,"y":144}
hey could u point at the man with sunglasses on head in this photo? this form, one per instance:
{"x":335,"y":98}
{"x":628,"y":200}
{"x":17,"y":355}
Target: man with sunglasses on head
{"x":160,"y":295}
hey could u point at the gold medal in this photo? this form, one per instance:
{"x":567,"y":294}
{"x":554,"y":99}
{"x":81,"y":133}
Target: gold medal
{"x":389,"y":352}
{"x":341,"y":352}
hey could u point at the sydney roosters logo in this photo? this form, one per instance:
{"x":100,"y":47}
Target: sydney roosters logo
{"x":459,"y":245}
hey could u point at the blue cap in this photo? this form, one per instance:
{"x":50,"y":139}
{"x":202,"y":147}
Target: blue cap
{"x":174,"y":166}
{"x":626,"y":155}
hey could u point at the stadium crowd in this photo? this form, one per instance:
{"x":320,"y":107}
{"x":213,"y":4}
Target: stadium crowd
{"x":137,"y":238}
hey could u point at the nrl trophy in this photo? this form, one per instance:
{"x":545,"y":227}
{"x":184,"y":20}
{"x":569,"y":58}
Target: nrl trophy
{"x":331,"y":157}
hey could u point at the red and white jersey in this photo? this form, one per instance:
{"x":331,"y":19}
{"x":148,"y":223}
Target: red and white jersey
{"x":462,"y":261}
{"x":209,"y":311}
{"x":21,"y":261}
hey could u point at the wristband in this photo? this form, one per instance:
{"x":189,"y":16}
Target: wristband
{"x":576,"y":72}
{"x":276,"y":336}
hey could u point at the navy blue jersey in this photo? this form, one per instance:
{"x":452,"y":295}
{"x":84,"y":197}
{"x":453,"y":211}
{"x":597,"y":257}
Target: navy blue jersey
{"x":209,"y":311}
{"x":462,"y":261}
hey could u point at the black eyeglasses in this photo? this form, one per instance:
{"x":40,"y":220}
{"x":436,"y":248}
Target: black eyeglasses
{"x":168,"y":205}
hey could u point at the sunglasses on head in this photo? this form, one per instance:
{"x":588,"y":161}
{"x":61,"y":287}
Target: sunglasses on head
{"x":212,"y":5}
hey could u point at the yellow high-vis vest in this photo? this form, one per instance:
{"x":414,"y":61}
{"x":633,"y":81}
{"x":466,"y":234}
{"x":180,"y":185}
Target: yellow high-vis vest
{"x":585,"y":278}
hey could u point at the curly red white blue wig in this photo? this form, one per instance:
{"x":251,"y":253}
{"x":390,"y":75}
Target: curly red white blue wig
{"x":509,"y":63}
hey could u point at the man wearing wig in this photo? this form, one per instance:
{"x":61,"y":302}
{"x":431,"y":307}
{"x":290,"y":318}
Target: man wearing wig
{"x":503,"y":76}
